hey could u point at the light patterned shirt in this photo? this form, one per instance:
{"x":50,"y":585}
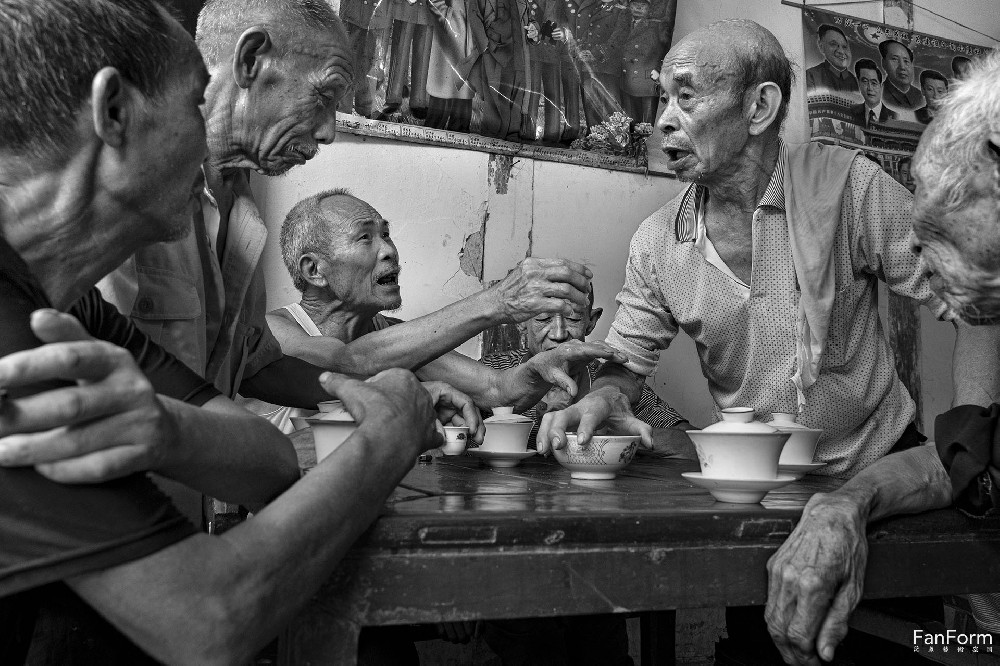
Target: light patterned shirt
{"x":746,"y":334}
{"x":650,"y":407}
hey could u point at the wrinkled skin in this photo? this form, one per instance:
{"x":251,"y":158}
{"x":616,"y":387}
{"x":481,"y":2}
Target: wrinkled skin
{"x":815,"y":580}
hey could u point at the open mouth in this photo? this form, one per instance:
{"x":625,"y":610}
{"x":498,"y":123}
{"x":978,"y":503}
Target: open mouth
{"x":389,"y":279}
{"x":675,"y":154}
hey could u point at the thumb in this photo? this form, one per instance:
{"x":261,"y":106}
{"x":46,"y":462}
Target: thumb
{"x":54,"y":326}
{"x":562,"y":380}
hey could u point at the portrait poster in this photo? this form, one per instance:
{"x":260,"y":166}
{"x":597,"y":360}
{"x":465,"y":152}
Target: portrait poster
{"x":561,"y":80}
{"x":875,"y":87}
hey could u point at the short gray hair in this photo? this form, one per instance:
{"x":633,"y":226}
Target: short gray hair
{"x":221,"y":22}
{"x":960,"y":141}
{"x":307,"y":229}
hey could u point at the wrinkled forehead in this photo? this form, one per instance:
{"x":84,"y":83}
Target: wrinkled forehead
{"x":325,"y":53}
{"x":699,"y":61}
{"x":346,"y":213}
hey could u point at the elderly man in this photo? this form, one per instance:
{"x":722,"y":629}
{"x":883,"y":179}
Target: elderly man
{"x":278,"y":68}
{"x":897,"y":60}
{"x":770,"y":262}
{"x":339,"y":253}
{"x":834,"y":73}
{"x":80,"y":192}
{"x":816,"y":577}
{"x":935,"y":87}
{"x":547,"y":331}
{"x":871,"y":110}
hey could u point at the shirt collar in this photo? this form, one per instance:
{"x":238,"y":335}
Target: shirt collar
{"x":694,"y":199}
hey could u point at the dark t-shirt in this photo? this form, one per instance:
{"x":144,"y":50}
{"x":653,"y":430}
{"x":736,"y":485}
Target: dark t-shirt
{"x":51,"y":531}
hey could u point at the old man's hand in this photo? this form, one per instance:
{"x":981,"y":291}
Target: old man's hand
{"x":106,"y":424}
{"x":393,"y":405}
{"x":606,"y":406}
{"x":543,"y":285}
{"x":815,"y":580}
{"x":557,"y":365}
{"x":455,"y":408}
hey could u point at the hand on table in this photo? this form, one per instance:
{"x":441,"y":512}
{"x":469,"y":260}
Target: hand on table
{"x":604,"y":406}
{"x":455,"y":408}
{"x":543,"y":285}
{"x":110,"y":424}
{"x":815,"y":580}
{"x":393,"y":405}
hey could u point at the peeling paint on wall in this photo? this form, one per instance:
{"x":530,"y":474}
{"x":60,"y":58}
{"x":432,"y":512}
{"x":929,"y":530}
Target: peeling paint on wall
{"x":499,"y":172}
{"x":470,"y":257}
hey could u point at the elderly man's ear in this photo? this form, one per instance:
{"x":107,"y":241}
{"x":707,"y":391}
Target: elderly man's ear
{"x":252,"y":44}
{"x":763,"y":108}
{"x":595,"y":314}
{"x":113,"y":106}
{"x":311,"y":268}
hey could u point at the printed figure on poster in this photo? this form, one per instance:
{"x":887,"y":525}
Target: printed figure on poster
{"x":875,"y":87}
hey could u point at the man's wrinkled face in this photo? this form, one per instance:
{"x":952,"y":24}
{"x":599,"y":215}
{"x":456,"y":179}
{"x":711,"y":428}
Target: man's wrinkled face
{"x":870,"y":86}
{"x":961,"y":249}
{"x":547,"y":330}
{"x":294,"y":107}
{"x":898,"y":66}
{"x":835,"y":49}
{"x":702,"y":122}
{"x":363,"y":267}
{"x":934,"y":91}
{"x":170,"y":149}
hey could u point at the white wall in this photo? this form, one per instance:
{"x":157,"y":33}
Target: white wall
{"x":437,"y":197}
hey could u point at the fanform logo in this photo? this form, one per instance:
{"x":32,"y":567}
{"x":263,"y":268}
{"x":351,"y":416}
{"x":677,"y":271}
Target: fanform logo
{"x":927,"y":641}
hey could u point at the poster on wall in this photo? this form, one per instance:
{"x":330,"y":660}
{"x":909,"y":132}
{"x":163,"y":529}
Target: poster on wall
{"x":875,"y":87}
{"x":561,"y":80}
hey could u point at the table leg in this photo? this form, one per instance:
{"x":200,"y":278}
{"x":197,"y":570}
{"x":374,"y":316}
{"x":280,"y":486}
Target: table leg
{"x":656,"y":637}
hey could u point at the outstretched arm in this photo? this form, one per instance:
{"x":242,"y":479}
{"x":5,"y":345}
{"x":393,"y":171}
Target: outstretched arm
{"x":815,"y":579}
{"x":217,"y":600}
{"x":534,"y":286}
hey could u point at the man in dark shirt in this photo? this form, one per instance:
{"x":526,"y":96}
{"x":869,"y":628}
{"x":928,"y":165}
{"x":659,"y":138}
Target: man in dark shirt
{"x":816,"y":577}
{"x":897,"y":60}
{"x":81,"y":192}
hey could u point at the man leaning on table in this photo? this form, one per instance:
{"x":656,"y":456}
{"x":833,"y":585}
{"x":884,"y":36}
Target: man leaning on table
{"x":769,"y":260}
{"x":92,"y":533}
{"x":816,"y":577}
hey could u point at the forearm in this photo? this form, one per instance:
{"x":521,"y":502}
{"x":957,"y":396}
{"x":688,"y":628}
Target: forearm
{"x":229,"y":453}
{"x":250,"y":581}
{"x":907,"y":482}
{"x":617,"y":376}
{"x":976,"y":365}
{"x":289,"y":381}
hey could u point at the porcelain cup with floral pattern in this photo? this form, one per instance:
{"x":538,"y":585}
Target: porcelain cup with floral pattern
{"x":601,"y":458}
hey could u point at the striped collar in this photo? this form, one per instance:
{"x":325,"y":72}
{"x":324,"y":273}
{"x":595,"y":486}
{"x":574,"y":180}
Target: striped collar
{"x":693,"y":202}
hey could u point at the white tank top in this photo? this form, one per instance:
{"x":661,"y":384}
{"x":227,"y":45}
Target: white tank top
{"x":281,"y":416}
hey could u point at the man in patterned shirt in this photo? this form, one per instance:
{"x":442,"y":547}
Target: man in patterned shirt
{"x":546,"y":331}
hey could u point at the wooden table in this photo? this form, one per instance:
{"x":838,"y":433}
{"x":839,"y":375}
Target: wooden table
{"x":460,"y":541}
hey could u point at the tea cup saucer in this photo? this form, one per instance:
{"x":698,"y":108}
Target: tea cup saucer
{"x":500,"y":458}
{"x":798,"y":471}
{"x":738,"y":491}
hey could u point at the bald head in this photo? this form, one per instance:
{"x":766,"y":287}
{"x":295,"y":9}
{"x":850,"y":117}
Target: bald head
{"x":221,"y":22}
{"x":741,"y":54}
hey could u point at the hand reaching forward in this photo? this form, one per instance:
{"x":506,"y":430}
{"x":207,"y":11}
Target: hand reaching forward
{"x":557,"y":366}
{"x":108,"y":425}
{"x":605,"y":406}
{"x":815,"y":580}
{"x":543,"y":285}
{"x":393,"y":406}
{"x":455,"y":408}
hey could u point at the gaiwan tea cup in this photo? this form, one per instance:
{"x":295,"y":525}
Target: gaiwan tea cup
{"x":601,"y":458}
{"x":507,"y":434}
{"x":738,"y":447}
{"x":801,"y":445}
{"x":330,"y":430}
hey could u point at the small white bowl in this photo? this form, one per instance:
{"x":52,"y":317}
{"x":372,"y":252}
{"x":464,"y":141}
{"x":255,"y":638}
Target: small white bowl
{"x":329,"y":434}
{"x":602,"y":458}
{"x":502,"y":411}
{"x":455,"y":439}
{"x":332,"y":407}
{"x":800,"y":447}
{"x":739,"y":455}
{"x":507,"y":434}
